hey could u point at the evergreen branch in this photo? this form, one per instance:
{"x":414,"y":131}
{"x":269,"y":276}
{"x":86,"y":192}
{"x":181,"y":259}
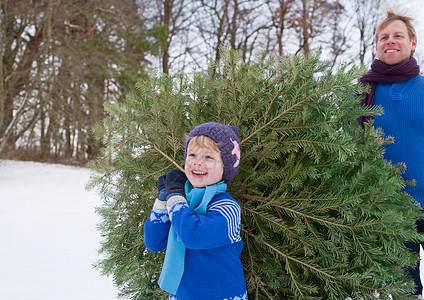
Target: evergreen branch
{"x":315,"y":194}
{"x":317,"y":238}
{"x":312,"y":217}
{"x":267,"y":199}
{"x":396,"y":295}
{"x":300,"y":127}
{"x":276,"y":95}
{"x":154,"y":147}
{"x":262,"y":288}
{"x":338,"y":287}
{"x":337,"y":224}
{"x":314,"y":142}
{"x":250,"y":256}
{"x":362,"y":247}
{"x":278,"y":224}
{"x":284,"y":112}
{"x":292,"y":258}
{"x":294,"y":279}
{"x":265,"y":88}
{"x":124,"y":251}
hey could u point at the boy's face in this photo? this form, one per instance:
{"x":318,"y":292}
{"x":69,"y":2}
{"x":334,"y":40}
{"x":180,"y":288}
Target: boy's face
{"x":203,"y":166}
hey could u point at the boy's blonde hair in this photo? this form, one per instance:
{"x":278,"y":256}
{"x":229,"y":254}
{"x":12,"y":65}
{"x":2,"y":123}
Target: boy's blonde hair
{"x":204,"y":141}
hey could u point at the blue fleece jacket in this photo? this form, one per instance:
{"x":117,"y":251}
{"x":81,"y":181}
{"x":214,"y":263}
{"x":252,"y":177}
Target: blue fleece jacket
{"x":213,"y":270}
{"x":403,"y":119}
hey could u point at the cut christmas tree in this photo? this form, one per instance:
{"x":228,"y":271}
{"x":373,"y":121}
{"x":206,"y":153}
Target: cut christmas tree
{"x":323,"y":214}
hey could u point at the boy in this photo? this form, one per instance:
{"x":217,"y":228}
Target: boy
{"x":198,"y":222}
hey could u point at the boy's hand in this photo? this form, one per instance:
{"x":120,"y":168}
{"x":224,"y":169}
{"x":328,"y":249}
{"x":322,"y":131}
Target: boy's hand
{"x":159,"y":212}
{"x":162,"y":188}
{"x":175,"y":181}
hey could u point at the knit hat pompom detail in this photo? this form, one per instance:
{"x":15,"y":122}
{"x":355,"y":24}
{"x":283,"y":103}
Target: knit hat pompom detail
{"x":226,"y":137}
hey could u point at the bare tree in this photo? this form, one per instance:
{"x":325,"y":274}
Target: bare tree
{"x":279,"y":11}
{"x":336,"y":29}
{"x":238,"y":24}
{"x":62,"y":60}
{"x":65,"y":60}
{"x":169,"y":23}
{"x":366,"y":15}
{"x":23,"y":39}
{"x":309,"y":20}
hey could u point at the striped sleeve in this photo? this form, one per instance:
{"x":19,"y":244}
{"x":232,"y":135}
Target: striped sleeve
{"x":230,"y":210}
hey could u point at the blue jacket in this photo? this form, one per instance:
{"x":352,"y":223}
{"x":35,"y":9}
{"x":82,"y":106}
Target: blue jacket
{"x":213,"y":270}
{"x":403,"y":119}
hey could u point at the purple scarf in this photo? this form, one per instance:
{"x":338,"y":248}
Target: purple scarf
{"x":381,"y":72}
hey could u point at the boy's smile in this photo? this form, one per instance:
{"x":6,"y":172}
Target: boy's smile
{"x":203,"y":166}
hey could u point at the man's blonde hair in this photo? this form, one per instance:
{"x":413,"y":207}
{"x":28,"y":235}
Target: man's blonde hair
{"x":392,"y":16}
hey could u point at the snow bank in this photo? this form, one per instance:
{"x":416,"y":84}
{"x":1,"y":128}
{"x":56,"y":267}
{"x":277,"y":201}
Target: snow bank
{"x":48,"y":234}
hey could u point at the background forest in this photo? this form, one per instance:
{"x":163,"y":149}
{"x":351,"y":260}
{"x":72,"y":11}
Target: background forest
{"x":62,"y":60}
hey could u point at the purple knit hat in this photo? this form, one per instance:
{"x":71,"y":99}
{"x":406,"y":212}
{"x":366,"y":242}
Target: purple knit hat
{"x":226,"y":136}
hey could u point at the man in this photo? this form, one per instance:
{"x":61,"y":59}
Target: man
{"x":397,"y":86}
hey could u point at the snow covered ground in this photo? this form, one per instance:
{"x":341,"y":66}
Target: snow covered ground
{"x":48,"y":235}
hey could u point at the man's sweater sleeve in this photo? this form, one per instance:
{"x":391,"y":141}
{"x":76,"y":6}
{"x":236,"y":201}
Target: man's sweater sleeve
{"x":156,"y":228}
{"x":219,"y":226}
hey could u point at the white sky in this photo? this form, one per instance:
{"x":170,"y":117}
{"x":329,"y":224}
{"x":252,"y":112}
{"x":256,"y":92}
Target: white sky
{"x":415,"y":9}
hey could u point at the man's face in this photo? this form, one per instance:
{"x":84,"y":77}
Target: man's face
{"x":394,"y":45}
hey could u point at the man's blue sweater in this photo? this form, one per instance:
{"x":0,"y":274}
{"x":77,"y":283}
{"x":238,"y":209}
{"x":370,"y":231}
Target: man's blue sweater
{"x":403,"y":119}
{"x":213,"y":270}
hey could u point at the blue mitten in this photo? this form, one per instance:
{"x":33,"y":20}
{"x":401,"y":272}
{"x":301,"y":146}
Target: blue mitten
{"x":156,"y":228}
{"x":159,"y":212}
{"x":162,"y":188}
{"x":175,"y":195}
{"x":175,"y":181}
